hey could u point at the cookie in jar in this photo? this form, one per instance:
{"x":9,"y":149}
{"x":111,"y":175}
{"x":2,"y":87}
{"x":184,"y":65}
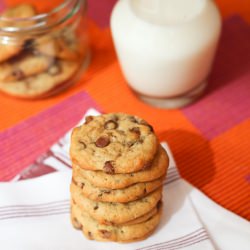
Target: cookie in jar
{"x":42,"y":53}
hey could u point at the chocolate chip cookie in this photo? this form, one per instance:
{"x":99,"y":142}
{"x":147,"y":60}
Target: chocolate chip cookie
{"x":124,"y":233}
{"x":114,"y":143}
{"x":61,"y":44}
{"x":140,"y":219}
{"x":24,"y":65}
{"x":112,"y":213}
{"x":37,"y":85}
{"x":131,"y":193}
{"x":20,"y":11}
{"x":117,"y":181}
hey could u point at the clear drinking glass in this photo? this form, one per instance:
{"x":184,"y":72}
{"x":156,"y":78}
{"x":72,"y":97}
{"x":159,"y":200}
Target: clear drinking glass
{"x":166,"y":48}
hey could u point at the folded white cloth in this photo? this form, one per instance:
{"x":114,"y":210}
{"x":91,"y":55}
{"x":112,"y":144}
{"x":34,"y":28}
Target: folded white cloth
{"x":34,"y":214}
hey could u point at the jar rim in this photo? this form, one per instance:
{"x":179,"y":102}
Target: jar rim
{"x":58,"y":15}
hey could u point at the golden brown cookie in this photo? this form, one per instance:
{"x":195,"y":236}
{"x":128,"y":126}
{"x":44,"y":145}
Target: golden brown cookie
{"x":37,"y":85}
{"x":124,"y":233}
{"x":114,"y":143}
{"x":12,"y":48}
{"x":8,"y":50}
{"x":111,"y":213}
{"x":131,"y":193}
{"x":118,"y":181}
{"x":23,"y":66}
{"x":141,"y":219}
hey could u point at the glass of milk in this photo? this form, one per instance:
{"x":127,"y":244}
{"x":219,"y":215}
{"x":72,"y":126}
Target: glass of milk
{"x":166,"y":47}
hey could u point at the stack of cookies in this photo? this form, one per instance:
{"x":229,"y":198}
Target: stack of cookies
{"x":37,"y":66}
{"x":118,"y":171}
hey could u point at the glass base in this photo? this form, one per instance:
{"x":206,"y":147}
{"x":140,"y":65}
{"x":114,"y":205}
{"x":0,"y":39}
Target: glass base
{"x":177,"y":101}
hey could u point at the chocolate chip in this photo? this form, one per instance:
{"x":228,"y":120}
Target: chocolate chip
{"x":18,"y":74}
{"x":82,"y":144}
{"x":106,"y":191}
{"x":148,"y":125}
{"x":159,"y":204}
{"x":136,"y":130}
{"x":145,"y":190}
{"x":130,"y":143}
{"x":77,"y":224}
{"x":96,"y":207}
{"x":108,"y":168}
{"x":132,"y":119}
{"x":88,"y":119}
{"x":140,"y":140}
{"x":28,"y":44}
{"x":151,"y":128}
{"x":105,"y":234}
{"x":81,"y":185}
{"x":110,"y":124}
{"x":102,"y":142}
{"x":135,"y":134}
{"x":90,"y":235}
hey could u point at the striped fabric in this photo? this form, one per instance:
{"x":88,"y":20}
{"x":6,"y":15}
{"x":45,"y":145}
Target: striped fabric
{"x":44,"y":209}
{"x":181,"y":242}
{"x":63,"y":207}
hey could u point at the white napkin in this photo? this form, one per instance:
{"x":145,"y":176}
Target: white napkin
{"x":34,"y":214}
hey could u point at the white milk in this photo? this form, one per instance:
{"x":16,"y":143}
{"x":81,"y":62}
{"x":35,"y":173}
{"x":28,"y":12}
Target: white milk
{"x":166,"y":47}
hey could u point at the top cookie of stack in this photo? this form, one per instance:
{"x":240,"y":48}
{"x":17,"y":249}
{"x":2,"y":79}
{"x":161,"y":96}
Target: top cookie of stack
{"x":114,"y":143}
{"x":118,"y":171}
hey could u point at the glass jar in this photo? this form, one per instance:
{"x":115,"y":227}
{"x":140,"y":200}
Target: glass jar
{"x":43,"y":53}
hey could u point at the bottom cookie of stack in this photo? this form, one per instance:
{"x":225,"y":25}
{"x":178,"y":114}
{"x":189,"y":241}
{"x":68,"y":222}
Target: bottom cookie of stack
{"x":93,"y":230}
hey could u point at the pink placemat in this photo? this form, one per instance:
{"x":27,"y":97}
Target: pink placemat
{"x":21,"y":145}
{"x":100,"y":11}
{"x":1,"y":5}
